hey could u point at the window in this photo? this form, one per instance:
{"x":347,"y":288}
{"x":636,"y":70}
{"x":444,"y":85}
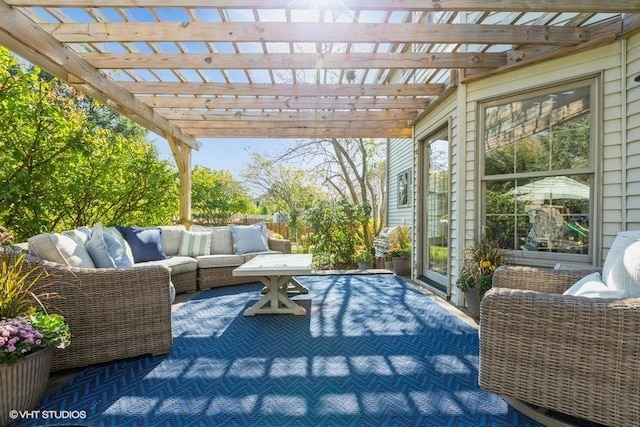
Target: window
{"x":403,"y":188}
{"x":538,"y":171}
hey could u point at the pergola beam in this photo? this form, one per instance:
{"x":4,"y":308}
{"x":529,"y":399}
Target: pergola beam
{"x":310,"y":32}
{"x":293,"y":132}
{"x":581,"y":6}
{"x":281,"y":89}
{"x":282,"y":116}
{"x":276,"y":61}
{"x":286,"y":103}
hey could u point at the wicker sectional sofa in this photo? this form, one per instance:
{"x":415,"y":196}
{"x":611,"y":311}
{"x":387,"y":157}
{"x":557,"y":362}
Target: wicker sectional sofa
{"x":125,"y":311}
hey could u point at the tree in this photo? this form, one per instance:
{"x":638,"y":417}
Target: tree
{"x":216,"y":196}
{"x":287,"y":190}
{"x":61,"y":167}
{"x":354,"y":171}
{"x":335,"y":232}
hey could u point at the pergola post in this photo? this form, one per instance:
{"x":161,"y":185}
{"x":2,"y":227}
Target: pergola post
{"x":182,"y":155}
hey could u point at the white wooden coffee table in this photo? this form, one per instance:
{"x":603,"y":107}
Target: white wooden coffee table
{"x":276,"y":273}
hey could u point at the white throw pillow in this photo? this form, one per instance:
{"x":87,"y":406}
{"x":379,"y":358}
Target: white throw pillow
{"x":248,"y":238}
{"x":61,"y":249}
{"x":592,"y":286}
{"x":621,"y":269}
{"x":80,"y":235}
{"x":195,"y":244}
{"x":221,"y":241}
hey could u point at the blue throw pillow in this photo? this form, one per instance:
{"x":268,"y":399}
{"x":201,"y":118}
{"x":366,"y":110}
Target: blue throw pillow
{"x":145,"y":243}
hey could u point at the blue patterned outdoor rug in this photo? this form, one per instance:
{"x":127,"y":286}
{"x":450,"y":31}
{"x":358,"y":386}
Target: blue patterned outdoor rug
{"x":371,"y":351}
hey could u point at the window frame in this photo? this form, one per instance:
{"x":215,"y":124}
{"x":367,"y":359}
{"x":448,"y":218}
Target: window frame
{"x":407,"y":181}
{"x":549,"y":259}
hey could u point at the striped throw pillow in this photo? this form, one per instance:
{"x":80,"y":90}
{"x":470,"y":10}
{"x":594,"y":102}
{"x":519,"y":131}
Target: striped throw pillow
{"x":195,"y":244}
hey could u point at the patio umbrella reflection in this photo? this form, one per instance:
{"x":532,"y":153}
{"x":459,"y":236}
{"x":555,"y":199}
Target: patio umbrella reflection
{"x":555,"y":187}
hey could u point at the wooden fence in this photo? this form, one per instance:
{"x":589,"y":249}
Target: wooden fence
{"x":280,"y":228}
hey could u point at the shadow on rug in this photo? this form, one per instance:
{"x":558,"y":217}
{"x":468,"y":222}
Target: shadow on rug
{"x":371,"y":351}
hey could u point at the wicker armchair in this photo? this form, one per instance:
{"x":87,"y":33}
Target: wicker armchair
{"x":112,"y":313}
{"x":574,"y":355}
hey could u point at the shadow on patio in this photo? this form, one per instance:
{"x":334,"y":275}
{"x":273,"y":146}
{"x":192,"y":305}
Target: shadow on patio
{"x":372,"y":350}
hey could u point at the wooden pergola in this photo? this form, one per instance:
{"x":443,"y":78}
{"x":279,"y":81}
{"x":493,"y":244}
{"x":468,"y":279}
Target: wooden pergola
{"x":189,"y":69}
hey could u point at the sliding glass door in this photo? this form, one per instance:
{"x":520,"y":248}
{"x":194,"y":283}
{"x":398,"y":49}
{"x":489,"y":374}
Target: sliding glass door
{"x":436,"y":227}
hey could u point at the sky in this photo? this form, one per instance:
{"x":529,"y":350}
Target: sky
{"x":231,"y":154}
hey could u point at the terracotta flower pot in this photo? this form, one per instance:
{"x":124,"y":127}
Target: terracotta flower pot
{"x":23,"y":383}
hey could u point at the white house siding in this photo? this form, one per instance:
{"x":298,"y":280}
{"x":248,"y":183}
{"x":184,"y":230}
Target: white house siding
{"x":633,"y":133}
{"x":400,"y":157}
{"x":617,"y":199}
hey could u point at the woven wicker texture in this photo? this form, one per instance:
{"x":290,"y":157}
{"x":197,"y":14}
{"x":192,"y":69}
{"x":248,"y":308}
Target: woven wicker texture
{"x":185,"y":282}
{"x":112,"y":313}
{"x":26,"y":380}
{"x":574,"y":355}
{"x":222,"y":276}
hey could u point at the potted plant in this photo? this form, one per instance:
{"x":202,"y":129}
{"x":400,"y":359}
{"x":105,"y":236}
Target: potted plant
{"x":476,"y":275}
{"x":364,"y":258}
{"x":400,"y":250}
{"x":28,"y":332}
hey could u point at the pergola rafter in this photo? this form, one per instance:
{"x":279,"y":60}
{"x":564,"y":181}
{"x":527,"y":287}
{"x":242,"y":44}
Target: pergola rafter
{"x":195,"y":69}
{"x":323,"y":67}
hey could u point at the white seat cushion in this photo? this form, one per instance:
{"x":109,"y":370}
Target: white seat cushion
{"x":176,"y":264}
{"x":250,"y":255}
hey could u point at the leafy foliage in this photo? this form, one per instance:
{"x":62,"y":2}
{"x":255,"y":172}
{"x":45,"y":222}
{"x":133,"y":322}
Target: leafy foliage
{"x":480,"y":263}
{"x":25,"y":326}
{"x":286,"y":190}
{"x":336,"y":232}
{"x":67,"y":161}
{"x":400,"y":242}
{"x":19,"y":293}
{"x":216,"y":195}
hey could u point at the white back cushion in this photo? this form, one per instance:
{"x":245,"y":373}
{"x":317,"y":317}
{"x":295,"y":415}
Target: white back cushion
{"x":593,"y":287}
{"x":221,"y":241}
{"x":621,"y":268}
{"x":80,"y":234}
{"x":171,"y":238}
{"x":61,"y":249}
